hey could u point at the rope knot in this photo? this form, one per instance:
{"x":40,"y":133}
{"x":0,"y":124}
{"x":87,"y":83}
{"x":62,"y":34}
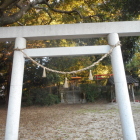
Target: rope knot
{"x":117,"y":44}
{"x":17,"y":49}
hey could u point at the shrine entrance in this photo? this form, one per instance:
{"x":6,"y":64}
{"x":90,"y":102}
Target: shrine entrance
{"x":111,"y":30}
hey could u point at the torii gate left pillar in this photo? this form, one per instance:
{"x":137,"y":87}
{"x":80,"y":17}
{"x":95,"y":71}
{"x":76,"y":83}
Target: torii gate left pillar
{"x":14,"y":106}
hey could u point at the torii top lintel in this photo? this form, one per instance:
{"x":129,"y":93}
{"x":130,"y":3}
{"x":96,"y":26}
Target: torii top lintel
{"x":70,"y":31}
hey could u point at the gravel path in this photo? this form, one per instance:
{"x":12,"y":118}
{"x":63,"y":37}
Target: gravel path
{"x":71,"y":122}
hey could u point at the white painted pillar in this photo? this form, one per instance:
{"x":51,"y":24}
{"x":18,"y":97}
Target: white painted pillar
{"x":14,"y":105}
{"x":121,"y":89}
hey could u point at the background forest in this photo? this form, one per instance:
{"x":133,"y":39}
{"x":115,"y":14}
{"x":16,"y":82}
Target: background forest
{"x":50,"y":12}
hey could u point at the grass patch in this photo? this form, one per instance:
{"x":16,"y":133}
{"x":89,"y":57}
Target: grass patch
{"x":81,"y":111}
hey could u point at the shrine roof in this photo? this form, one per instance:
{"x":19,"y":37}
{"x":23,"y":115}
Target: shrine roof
{"x":129,"y":78}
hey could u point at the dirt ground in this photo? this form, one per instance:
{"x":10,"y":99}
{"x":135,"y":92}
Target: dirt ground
{"x":71,"y":122}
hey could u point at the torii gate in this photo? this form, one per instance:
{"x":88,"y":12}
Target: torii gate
{"x":111,"y":30}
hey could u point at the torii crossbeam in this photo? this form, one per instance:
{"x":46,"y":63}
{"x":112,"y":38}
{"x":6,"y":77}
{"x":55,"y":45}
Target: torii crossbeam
{"x":111,"y":30}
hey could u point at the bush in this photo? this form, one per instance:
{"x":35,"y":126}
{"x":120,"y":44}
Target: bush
{"x":92,"y":92}
{"x":28,"y":99}
{"x":51,"y":99}
{"x":106,"y":93}
{"x":38,"y":96}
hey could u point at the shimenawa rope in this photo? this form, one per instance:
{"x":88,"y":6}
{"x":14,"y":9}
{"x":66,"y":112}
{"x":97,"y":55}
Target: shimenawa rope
{"x":71,"y":72}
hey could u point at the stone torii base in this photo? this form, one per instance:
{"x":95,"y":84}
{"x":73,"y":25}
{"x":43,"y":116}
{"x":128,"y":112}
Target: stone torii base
{"x":70,"y":31}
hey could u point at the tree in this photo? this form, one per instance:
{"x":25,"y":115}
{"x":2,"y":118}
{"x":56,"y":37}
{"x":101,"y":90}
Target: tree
{"x":45,"y":12}
{"x":6,"y":56}
{"x":133,"y":65}
{"x":12,"y":11}
{"x":66,"y":11}
{"x":42,"y":12}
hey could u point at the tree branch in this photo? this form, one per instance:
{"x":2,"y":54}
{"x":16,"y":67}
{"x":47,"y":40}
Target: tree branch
{"x":15,"y":17}
{"x":19,"y":4}
{"x":20,"y":23}
{"x":25,"y":5}
{"x":6,"y":3}
{"x":74,"y":11}
{"x":66,"y":12}
{"x":35,"y":2}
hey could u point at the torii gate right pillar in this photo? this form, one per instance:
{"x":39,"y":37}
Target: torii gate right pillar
{"x":121,"y":89}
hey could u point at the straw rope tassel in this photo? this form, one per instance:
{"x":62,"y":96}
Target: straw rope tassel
{"x":66,"y":83}
{"x":44,"y":72}
{"x":90,"y":75}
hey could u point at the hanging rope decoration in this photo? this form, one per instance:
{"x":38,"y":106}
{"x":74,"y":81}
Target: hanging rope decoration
{"x":66,"y":83}
{"x":71,"y":72}
{"x":44,"y":73}
{"x":90,"y":75}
